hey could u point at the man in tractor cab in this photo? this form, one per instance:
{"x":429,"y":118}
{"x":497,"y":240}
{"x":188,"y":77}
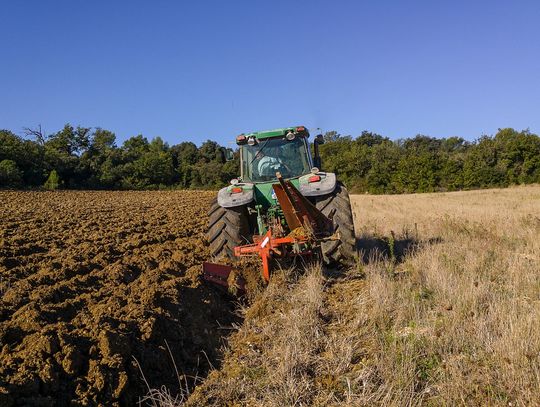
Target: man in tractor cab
{"x":270,"y":163}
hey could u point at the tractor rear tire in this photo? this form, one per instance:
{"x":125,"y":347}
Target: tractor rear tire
{"x":227,"y":228}
{"x":337,"y":206}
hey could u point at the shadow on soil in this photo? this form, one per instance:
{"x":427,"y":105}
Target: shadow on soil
{"x":196,"y":335}
{"x":175,"y":348}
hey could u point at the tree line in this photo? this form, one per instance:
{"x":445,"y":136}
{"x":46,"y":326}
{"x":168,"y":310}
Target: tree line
{"x":86,"y":158}
{"x":373,"y":163}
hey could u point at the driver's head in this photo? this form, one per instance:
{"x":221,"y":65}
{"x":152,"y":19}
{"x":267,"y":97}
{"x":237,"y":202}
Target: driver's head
{"x":272,"y":151}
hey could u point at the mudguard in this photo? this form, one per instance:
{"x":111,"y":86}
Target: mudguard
{"x":227,"y":199}
{"x":326,"y":185}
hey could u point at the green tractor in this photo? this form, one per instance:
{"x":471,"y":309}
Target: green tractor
{"x":282,"y":189}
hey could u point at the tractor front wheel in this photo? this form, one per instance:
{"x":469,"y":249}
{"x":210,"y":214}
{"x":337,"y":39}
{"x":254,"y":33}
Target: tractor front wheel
{"x":337,"y":206}
{"x":227,"y":228}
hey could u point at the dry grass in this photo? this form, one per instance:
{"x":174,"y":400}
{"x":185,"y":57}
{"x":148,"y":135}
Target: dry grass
{"x":457,"y":321}
{"x":444,"y":310}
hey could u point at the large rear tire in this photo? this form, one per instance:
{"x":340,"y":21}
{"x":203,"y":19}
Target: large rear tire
{"x":227,"y":228}
{"x":337,"y":206}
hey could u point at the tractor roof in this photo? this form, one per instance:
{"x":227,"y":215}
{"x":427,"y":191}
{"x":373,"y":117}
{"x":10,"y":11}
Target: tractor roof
{"x":259,"y":135}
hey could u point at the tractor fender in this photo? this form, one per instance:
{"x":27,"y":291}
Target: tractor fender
{"x":229,"y":199}
{"x":326,"y":185}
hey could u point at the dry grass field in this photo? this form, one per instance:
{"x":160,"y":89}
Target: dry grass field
{"x":444,"y":309}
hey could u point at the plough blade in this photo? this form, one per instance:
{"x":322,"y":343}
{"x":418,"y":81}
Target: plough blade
{"x":219,"y":274}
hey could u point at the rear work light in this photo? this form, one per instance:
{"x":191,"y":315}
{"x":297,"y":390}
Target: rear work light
{"x":236,"y":190}
{"x":314,"y":178}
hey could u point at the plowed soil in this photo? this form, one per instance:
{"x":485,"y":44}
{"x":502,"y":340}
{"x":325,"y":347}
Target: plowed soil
{"x":94,"y":284}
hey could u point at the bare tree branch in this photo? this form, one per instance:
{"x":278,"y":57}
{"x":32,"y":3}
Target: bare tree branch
{"x":36,"y":133}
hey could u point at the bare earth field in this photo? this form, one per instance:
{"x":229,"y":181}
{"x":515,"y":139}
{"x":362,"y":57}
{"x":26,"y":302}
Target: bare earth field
{"x":93,"y":284}
{"x":443,"y":308}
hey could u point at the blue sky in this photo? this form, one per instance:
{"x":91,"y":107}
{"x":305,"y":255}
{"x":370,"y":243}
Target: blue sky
{"x":213,"y":69}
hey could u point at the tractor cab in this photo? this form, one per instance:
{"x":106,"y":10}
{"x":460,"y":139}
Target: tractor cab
{"x":265,"y":154}
{"x":286,"y":151}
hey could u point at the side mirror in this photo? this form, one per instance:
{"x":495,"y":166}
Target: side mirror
{"x":319,"y":139}
{"x":228,"y":153}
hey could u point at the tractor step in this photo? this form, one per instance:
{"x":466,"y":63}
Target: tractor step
{"x":219,"y":274}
